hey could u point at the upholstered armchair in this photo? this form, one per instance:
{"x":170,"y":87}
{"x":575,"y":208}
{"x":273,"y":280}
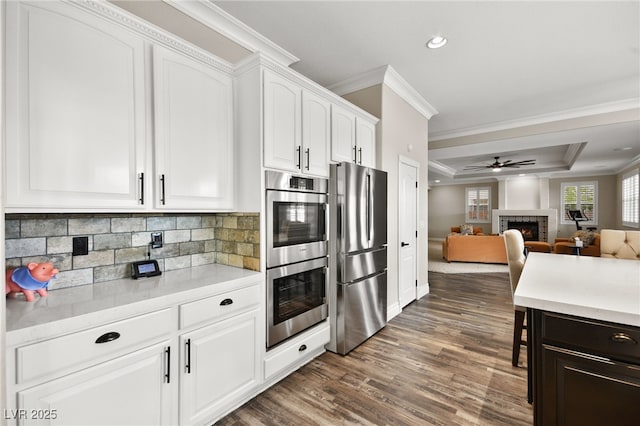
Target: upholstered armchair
{"x":591,"y":247}
{"x":620,"y":244}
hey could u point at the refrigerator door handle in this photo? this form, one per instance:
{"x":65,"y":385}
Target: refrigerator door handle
{"x":369,"y":196}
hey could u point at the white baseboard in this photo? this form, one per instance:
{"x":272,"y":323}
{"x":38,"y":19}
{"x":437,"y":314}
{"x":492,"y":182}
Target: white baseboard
{"x":393,"y":311}
{"x":422,"y":290}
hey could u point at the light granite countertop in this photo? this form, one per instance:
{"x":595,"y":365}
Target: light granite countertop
{"x":590,"y":287}
{"x":70,"y":309}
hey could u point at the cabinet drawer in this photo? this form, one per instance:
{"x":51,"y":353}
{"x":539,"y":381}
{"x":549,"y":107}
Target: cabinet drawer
{"x":605,"y":339}
{"x":296,"y":350}
{"x":78,"y":350}
{"x":219,"y":306}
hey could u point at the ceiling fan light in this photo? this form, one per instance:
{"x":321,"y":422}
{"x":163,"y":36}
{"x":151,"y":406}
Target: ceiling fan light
{"x":496,"y":169}
{"x":436,"y":42}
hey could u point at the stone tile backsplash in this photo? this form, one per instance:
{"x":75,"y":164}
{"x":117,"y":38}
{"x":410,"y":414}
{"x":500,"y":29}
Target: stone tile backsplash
{"x":117,"y":240}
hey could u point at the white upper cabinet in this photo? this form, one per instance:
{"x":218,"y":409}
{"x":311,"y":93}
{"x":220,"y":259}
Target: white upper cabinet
{"x":353,"y":138}
{"x":86,"y":129}
{"x":365,"y":143}
{"x":316,"y":134}
{"x":282,"y":123}
{"x":193,"y":133}
{"x":296,"y":127}
{"x":75,"y":109}
{"x":343,"y":134}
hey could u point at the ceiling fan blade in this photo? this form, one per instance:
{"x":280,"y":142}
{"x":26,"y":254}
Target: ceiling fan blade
{"x":497,"y":164}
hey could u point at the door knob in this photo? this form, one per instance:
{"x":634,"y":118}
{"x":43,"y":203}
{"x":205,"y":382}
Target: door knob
{"x":403,"y":244}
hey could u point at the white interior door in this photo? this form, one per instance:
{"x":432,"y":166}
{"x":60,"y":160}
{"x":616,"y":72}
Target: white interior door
{"x":407,"y":233}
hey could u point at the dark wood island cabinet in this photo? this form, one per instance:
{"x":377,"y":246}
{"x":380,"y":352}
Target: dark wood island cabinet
{"x":585,"y":372}
{"x":583,"y":350}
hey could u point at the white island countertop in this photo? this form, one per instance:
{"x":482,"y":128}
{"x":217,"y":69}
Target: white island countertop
{"x":590,"y":287}
{"x":69,"y":309}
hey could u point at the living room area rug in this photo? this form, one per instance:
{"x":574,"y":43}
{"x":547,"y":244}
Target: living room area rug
{"x":436,"y":263}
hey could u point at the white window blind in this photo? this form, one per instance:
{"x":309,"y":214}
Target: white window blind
{"x":581,"y":196}
{"x":631,"y":199}
{"x":478,"y":202}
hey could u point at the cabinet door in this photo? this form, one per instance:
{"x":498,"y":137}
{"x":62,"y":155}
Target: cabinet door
{"x":131,"y":390}
{"x":193,"y":133}
{"x":316,"y":134}
{"x":343,"y":134}
{"x":584,"y":390}
{"x":365,"y":143}
{"x":219,"y":362}
{"x":75,"y":109}
{"x":282,"y":119}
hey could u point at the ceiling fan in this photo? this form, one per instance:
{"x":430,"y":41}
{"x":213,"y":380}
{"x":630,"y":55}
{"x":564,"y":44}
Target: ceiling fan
{"x":498,"y":165}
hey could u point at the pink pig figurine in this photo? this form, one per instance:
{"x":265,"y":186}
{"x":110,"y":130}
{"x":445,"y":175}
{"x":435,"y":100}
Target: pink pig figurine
{"x":30,"y":278}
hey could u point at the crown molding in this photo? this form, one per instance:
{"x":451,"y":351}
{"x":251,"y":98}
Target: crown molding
{"x":150,"y":31}
{"x":222,"y":22}
{"x":604,"y":108}
{"x":386,"y":75}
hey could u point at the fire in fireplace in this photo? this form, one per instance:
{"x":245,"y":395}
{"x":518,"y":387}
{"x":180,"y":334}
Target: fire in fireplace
{"x":529,"y":230}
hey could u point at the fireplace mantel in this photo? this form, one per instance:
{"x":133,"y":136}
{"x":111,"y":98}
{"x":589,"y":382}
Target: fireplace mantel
{"x":551,"y":216}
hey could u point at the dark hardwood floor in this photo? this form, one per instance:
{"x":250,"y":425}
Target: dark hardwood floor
{"x":445,"y":360}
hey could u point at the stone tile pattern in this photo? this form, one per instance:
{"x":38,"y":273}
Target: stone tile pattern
{"x":116,"y":240}
{"x":238,"y":240}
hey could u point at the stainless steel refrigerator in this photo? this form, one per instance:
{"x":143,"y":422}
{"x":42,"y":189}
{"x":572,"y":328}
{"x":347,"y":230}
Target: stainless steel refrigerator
{"x":357,"y":255}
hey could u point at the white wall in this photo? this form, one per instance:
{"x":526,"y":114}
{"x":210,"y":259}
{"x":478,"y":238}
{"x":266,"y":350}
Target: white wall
{"x":523,"y":193}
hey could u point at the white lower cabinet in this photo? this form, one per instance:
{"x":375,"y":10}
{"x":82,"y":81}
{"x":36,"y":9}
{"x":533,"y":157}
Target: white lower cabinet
{"x":297,"y":350}
{"x":134,"y":389}
{"x":188,"y":360}
{"x":219,"y":365}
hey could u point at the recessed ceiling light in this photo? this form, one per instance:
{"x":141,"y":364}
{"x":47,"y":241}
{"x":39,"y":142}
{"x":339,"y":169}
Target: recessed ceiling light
{"x":437,"y":181}
{"x":436,"y":42}
{"x":625,"y":148}
{"x":522,"y":174}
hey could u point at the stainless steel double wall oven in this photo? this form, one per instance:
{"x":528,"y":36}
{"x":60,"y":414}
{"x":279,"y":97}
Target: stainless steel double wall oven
{"x":297,"y":213}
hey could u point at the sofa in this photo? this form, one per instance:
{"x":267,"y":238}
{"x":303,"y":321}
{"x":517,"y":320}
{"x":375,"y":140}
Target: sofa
{"x":620,"y":244}
{"x":476,"y":230}
{"x":474,"y":248}
{"x":590,"y":248}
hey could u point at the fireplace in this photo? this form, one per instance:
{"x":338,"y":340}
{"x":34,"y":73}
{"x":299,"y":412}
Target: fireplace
{"x":547,"y":220}
{"x":529,"y":230}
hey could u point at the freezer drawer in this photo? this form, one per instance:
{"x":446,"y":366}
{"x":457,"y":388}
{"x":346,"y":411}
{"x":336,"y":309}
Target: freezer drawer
{"x":354,"y":266}
{"x":362,"y":311}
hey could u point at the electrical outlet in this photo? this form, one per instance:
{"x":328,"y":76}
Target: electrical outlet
{"x":80,"y":246}
{"x":156,"y":240}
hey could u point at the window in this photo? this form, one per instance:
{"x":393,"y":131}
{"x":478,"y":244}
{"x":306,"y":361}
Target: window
{"x":631,"y":199}
{"x":478,"y":202}
{"x":581,"y":196}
